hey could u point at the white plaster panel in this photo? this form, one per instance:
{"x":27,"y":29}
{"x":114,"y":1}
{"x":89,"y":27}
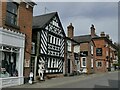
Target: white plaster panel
{"x":11,"y":38}
{"x":15,"y":39}
{"x":77,"y":48}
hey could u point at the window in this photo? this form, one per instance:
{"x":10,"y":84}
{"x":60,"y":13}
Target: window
{"x":91,"y":62}
{"x":69,"y":45}
{"x":33,"y":48}
{"x":9,"y":62}
{"x":52,"y":40}
{"x":99,"y":64}
{"x":91,"y":49}
{"x":83,"y":62}
{"x":106,"y":52}
{"x":11,"y":17}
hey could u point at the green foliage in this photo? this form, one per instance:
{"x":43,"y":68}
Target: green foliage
{"x":116,"y":64}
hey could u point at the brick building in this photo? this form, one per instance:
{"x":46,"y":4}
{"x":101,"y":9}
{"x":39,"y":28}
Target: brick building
{"x":15,"y":46}
{"x":105,"y":53}
{"x":73,"y":48}
{"x":87,"y":51}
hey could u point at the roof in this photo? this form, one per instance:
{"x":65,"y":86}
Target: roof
{"x":108,"y":40}
{"x":83,"y":38}
{"x":41,"y":20}
{"x":74,"y":41}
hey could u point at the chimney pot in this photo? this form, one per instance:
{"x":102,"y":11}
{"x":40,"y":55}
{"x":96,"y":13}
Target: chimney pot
{"x":70,"y":31}
{"x":102,"y":34}
{"x":92,"y":30}
{"x":107,"y":35}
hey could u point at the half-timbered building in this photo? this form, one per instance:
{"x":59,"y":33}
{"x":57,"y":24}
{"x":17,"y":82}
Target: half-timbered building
{"x":48,"y":43}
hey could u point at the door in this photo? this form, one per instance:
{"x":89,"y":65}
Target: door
{"x":68,"y":65}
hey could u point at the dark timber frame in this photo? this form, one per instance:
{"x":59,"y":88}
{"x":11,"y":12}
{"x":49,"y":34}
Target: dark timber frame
{"x":49,"y":42}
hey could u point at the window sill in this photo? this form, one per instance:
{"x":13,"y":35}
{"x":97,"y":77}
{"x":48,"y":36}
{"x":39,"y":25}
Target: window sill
{"x":13,"y":26}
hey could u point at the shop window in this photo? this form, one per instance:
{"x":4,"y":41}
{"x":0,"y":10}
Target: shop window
{"x":9,"y":62}
{"x":11,"y":17}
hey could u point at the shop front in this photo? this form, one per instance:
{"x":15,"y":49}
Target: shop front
{"x":11,"y":58}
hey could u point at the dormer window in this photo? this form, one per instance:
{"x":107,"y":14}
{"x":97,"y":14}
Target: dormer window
{"x":12,"y":13}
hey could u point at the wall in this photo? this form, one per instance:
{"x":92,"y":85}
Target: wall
{"x":84,"y":47}
{"x":0,"y":13}
{"x":77,"y":48}
{"x":25,"y":22}
{"x":10,"y":39}
{"x":25,"y":16}
{"x":100,"y":43}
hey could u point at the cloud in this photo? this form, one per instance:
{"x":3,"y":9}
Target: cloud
{"x":104,"y":15}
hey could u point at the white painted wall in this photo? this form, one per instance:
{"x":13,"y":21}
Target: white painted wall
{"x":77,"y":48}
{"x":11,"y":38}
{"x":69,"y":45}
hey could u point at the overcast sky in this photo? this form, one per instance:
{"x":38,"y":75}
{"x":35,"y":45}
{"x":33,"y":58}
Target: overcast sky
{"x":104,"y":15}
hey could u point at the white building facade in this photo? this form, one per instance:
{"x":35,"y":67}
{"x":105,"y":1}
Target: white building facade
{"x":11,"y":58}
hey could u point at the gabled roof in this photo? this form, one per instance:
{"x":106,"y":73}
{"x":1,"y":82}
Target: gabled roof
{"x":83,"y":38}
{"x":41,"y":20}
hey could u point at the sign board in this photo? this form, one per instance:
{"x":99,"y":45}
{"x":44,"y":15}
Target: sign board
{"x":98,"y":51}
{"x":83,"y":53}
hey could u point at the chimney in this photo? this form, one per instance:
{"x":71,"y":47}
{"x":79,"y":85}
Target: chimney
{"x":107,"y":35}
{"x":70,"y":31}
{"x":102,"y":34}
{"x":92,"y":30}
{"x":111,"y":40}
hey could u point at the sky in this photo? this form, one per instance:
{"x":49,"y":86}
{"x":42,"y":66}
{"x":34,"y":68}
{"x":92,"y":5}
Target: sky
{"x":104,"y":15}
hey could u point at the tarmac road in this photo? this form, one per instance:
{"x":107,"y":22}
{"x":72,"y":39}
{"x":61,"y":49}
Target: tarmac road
{"x":101,"y":80}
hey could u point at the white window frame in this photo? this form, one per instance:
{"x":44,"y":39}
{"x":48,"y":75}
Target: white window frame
{"x":92,"y":49}
{"x":85,"y":61}
{"x":92,"y":62}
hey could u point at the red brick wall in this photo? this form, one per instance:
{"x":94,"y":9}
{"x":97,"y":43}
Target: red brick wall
{"x":86,"y":47}
{"x":25,"y":22}
{"x":3,"y":13}
{"x":25,"y":16}
{"x":100,"y":43}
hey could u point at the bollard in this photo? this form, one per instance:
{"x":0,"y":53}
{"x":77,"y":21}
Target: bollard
{"x":31,"y":78}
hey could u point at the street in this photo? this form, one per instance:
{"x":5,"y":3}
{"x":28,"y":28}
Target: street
{"x":102,"y":80}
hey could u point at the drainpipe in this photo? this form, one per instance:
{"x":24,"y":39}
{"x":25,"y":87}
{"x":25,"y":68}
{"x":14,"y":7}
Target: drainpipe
{"x":37,"y":54}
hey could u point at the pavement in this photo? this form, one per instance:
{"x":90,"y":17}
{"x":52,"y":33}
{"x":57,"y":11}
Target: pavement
{"x":50,"y":83}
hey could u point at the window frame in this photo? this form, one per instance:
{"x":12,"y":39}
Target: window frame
{"x":83,"y":61}
{"x":13,"y":19}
